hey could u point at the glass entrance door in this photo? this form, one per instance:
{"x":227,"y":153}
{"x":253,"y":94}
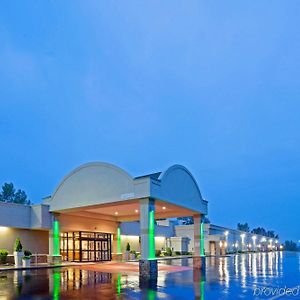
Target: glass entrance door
{"x":86,"y":246}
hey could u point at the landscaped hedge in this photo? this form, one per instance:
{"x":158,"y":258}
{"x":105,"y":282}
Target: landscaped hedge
{"x":3,"y":256}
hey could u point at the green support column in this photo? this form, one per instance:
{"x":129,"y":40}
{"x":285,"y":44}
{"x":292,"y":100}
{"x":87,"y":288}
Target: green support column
{"x":119,"y":251}
{"x":56,"y":238}
{"x":151,"y":235}
{"x":148,"y":262}
{"x":202,"y":249}
{"x":54,"y":256}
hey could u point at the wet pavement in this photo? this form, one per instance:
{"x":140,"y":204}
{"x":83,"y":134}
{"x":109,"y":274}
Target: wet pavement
{"x":245,"y":276}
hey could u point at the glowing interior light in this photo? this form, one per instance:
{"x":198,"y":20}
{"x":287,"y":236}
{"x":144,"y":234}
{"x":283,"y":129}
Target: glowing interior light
{"x":263,"y":239}
{"x":254,"y":238}
{"x":221,"y":243}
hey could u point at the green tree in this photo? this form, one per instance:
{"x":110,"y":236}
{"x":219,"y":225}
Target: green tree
{"x":243,"y":227}
{"x":264,"y":232}
{"x":8,"y":192}
{"x":10,"y":195}
{"x":259,"y":231}
{"x":290,"y":246}
{"x":21,"y":197}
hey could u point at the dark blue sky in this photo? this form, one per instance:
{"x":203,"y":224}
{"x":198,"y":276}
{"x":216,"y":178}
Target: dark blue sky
{"x":146,"y":84}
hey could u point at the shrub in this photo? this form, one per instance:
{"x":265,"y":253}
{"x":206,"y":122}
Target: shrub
{"x":168,"y":251}
{"x":3,"y":256}
{"x":157,"y":253}
{"x":177,"y":252}
{"x":27,"y":253}
{"x":18,"y":245}
{"x":128,"y":247}
{"x":133,"y":252}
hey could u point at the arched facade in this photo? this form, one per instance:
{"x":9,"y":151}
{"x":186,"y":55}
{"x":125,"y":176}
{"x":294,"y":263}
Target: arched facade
{"x":99,"y":183}
{"x":95,"y":197}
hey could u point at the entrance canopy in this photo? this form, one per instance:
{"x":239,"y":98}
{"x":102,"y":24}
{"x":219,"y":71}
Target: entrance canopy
{"x":104,"y":191}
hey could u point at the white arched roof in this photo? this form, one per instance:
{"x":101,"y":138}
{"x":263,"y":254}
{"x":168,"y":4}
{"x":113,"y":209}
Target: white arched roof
{"x":102,"y":183}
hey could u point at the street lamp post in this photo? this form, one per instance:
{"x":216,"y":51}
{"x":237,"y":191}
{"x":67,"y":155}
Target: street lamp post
{"x":254,"y":242}
{"x":226,"y":233}
{"x":243,"y":241}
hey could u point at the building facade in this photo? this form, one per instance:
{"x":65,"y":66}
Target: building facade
{"x":81,"y":220}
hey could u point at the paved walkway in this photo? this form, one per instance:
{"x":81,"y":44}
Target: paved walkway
{"x":128,"y":267}
{"x":107,"y":267}
{"x":41,"y":266}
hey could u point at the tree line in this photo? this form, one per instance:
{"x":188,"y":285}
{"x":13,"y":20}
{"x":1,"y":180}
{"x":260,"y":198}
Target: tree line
{"x":288,"y":245}
{"x":259,"y":230}
{"x":9,"y":194}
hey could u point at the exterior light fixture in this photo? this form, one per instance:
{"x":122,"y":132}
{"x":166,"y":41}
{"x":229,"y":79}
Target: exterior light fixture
{"x":116,"y":213}
{"x":226,"y":233}
{"x":221,"y":244}
{"x":276,"y":242}
{"x":236,"y":244}
{"x":3,"y":229}
{"x":164,"y":208}
{"x":263,"y":239}
{"x":136,"y":210}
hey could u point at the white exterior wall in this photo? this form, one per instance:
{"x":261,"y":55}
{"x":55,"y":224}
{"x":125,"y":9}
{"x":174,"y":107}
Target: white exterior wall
{"x":25,"y":216}
{"x":134,"y":242}
{"x":15,"y":215}
{"x":180,"y":244}
{"x":186,"y":231}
